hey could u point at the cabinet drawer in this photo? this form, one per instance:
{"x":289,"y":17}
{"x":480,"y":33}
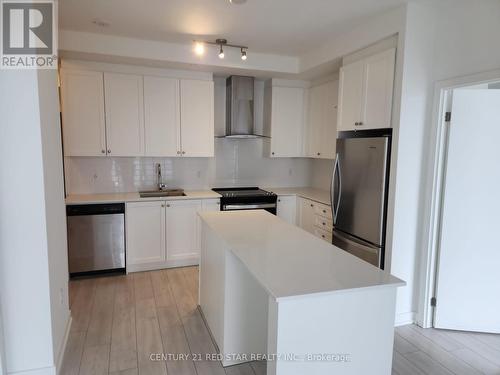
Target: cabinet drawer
{"x":323,"y":210}
{"x":323,"y":223}
{"x":323,"y":234}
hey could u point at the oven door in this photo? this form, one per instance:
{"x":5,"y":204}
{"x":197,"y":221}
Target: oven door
{"x":271,"y":207}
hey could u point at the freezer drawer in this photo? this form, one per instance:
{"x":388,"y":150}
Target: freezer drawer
{"x":96,"y":241}
{"x":356,"y":247}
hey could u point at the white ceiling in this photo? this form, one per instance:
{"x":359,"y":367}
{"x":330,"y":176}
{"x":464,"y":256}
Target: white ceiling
{"x":281,"y":27}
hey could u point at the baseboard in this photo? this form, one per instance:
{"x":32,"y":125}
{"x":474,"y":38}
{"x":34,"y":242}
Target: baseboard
{"x":37,"y":371}
{"x":158,"y":266}
{"x":403,"y":319}
{"x":62,"y":349}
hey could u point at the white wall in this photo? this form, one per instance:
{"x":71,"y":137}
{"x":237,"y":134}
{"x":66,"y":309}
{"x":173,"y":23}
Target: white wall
{"x":29,"y":239}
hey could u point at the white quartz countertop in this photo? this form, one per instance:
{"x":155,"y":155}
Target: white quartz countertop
{"x":318,"y":195}
{"x":134,"y":197}
{"x":288,"y":261}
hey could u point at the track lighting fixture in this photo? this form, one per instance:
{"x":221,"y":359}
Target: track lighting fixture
{"x":199,"y":47}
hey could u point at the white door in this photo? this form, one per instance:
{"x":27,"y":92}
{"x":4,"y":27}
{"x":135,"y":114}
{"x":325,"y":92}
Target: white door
{"x":468,"y":281}
{"x":183,"y":229}
{"x":350,"y":95}
{"x":82,"y":99}
{"x":145,"y":232}
{"x":377,"y":90}
{"x":328,"y":137}
{"x":306,"y":215}
{"x":314,"y":121}
{"x":161,"y":116}
{"x":287,"y":121}
{"x":287,"y":208}
{"x":197,"y":118}
{"x":124,"y":114}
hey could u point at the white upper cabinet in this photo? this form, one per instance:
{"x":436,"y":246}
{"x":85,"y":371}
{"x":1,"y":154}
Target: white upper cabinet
{"x":321,"y":129}
{"x":82,"y":99}
{"x":284,"y":117}
{"x":365,"y":92}
{"x":123,"y":94}
{"x":378,"y":87}
{"x":183,"y":229}
{"x":161,"y":116}
{"x":197,"y":118}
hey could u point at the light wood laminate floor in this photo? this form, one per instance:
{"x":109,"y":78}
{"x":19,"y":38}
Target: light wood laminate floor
{"x":118,"y":321}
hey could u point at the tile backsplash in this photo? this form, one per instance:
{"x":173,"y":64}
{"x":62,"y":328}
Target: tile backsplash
{"x":236,"y":163}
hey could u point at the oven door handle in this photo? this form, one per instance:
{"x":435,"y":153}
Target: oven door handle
{"x":231,"y":207}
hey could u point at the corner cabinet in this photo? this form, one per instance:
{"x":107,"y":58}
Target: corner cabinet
{"x":117,"y":114}
{"x":321,"y":129}
{"x":285,"y":105}
{"x":366,"y":92}
{"x":162,"y":234}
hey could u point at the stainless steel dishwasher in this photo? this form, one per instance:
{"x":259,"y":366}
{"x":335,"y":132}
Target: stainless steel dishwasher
{"x":96,"y":238}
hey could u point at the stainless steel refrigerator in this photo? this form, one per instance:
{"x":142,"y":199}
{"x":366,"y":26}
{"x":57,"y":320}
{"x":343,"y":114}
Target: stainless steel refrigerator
{"x":359,"y":193}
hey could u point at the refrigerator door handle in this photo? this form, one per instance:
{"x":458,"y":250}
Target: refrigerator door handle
{"x":332,"y":183}
{"x":335,"y":208}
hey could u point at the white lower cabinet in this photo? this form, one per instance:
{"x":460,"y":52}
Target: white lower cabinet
{"x":183,"y":229}
{"x":287,"y":208}
{"x":145,"y":233}
{"x":162,"y":234}
{"x":316,"y":218}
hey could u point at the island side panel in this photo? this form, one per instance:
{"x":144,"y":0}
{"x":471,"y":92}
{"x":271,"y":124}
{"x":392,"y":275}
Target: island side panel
{"x":358,"y":323}
{"x":211,"y":284}
{"x":245,"y":313}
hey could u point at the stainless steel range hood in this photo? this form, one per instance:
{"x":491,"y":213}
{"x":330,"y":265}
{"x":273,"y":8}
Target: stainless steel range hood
{"x":240,"y":107}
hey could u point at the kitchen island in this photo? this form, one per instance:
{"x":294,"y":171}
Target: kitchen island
{"x":270,"y":290}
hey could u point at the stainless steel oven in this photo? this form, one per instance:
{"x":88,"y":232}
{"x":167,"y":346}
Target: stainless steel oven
{"x":251,"y":198}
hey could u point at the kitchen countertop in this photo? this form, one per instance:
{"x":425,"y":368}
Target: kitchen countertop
{"x":315,"y":194}
{"x":288,"y":261}
{"x":134,"y":197}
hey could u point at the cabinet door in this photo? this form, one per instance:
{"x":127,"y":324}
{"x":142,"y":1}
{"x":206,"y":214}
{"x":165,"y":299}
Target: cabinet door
{"x":314,"y":122}
{"x":287,"y":208}
{"x":287,"y":121}
{"x":197,"y":118}
{"x":377,"y":91}
{"x":124,"y":114}
{"x":327,"y":139}
{"x":82,"y":99}
{"x":210,"y":205}
{"x":350,"y":95}
{"x":161,"y":116}
{"x":306,"y":215}
{"x":183,"y":229}
{"x":145,"y":232}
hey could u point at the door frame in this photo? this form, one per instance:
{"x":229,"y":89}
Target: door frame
{"x":434,"y":190}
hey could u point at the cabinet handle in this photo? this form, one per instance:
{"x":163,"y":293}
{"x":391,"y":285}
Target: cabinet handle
{"x":109,"y":151}
{"x":360,"y":123}
{"x":183,"y":152}
{"x":324,"y":211}
{"x":163,"y":205}
{"x":312,"y":205}
{"x":168,"y":205}
{"x":319,"y":153}
{"x":103,"y":151}
{"x":323,"y":235}
{"x":279,"y":200}
{"x":272,"y":153}
{"x":324,"y":223}
{"x":178,"y":152}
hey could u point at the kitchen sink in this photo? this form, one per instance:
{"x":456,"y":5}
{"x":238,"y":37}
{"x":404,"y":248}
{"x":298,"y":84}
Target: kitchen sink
{"x":162,"y":193}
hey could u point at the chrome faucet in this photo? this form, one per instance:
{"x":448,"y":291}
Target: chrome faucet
{"x":159,"y":184}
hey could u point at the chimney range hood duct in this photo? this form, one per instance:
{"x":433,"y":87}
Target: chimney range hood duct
{"x":239,"y":107}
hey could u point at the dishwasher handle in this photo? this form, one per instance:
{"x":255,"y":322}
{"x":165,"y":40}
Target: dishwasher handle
{"x":95,"y":209}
